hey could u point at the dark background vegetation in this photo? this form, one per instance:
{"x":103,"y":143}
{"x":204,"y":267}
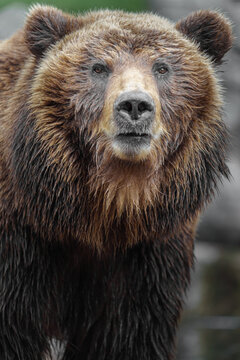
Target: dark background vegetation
{"x":210,"y":328}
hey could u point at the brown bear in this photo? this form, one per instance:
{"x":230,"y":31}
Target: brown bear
{"x":111,"y":143}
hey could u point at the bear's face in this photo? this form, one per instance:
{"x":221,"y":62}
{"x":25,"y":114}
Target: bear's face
{"x":126,"y":112}
{"x":134,"y":89}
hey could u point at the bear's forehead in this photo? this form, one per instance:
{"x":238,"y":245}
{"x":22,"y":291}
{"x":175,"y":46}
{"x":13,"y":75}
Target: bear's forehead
{"x":121,"y":32}
{"x":139,"y":25}
{"x":139,"y":21}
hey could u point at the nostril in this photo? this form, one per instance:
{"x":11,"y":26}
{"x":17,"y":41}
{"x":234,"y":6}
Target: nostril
{"x":144,"y":106}
{"x":126,"y":106}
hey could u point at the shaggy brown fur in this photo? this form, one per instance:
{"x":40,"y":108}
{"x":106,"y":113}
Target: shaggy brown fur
{"x":61,"y":174}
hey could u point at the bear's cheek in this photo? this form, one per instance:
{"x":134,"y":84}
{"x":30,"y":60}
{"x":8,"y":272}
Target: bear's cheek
{"x":185,"y":102}
{"x":131,"y":116}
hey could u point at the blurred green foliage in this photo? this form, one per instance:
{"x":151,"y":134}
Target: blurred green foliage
{"x":220,"y":344}
{"x":82,"y":5}
{"x":221,"y":286}
{"x":221,"y":296}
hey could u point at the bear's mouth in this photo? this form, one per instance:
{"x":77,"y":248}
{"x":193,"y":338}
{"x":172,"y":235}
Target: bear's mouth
{"x":133,"y":135}
{"x":132,"y":144}
{"x":133,"y":138}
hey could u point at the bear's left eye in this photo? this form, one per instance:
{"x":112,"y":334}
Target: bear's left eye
{"x":100,"y":69}
{"x":160,"y":69}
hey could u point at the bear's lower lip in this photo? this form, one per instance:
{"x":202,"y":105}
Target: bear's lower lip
{"x":133,"y":139}
{"x":131,"y":144}
{"x":131,"y":135}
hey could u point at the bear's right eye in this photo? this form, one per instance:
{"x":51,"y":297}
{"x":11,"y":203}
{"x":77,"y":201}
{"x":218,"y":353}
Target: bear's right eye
{"x":100,"y":69}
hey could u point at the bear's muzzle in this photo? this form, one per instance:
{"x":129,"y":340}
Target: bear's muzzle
{"x":134,"y":113}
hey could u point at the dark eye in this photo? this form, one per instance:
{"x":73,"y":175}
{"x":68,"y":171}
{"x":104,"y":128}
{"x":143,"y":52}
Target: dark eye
{"x":100,"y":69}
{"x":161,"y":69}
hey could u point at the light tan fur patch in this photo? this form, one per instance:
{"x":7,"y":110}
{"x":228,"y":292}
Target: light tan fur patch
{"x":129,"y":78}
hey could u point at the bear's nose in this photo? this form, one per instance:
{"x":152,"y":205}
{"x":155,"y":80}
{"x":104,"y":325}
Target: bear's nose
{"x":135,"y":105}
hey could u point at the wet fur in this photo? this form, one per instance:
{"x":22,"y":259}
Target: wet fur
{"x":97,"y":250}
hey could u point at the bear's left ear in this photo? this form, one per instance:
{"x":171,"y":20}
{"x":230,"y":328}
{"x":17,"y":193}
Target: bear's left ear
{"x":210,"y":30}
{"x":46,"y":25}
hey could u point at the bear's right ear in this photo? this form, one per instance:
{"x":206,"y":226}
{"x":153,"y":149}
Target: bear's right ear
{"x":46,"y":25}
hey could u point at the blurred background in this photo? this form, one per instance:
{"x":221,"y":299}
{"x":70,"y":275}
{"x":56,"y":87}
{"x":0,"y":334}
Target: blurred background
{"x":210,"y":328}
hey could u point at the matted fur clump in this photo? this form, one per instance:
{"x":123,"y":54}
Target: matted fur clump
{"x":111,"y":143}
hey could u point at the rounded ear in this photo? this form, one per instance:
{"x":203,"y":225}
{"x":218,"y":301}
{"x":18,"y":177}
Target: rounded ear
{"x":210,"y":30}
{"x":45,"y":25}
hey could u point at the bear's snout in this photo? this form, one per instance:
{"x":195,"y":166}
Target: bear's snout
{"x":134,"y":106}
{"x":134,"y":112}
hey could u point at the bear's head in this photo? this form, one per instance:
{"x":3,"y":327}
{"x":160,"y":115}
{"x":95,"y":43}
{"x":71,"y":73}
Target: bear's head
{"x":127,"y":106}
